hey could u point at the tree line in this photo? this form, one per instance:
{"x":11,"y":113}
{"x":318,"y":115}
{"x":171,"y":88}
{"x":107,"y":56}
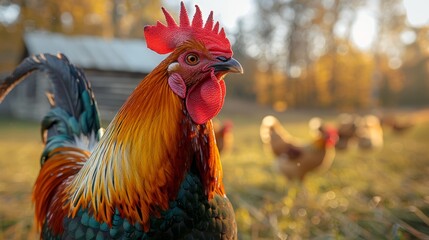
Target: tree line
{"x":292,"y":51}
{"x":300,"y":60}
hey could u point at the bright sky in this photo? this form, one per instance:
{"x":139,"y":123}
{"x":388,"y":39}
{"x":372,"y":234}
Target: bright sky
{"x":364,"y":28}
{"x":9,"y":13}
{"x":417,"y":11}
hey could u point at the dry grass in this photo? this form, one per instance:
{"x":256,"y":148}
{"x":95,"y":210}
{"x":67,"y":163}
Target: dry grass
{"x":380,"y":194}
{"x":20,"y":148}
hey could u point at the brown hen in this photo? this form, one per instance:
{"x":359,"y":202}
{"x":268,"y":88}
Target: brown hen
{"x":295,"y":158}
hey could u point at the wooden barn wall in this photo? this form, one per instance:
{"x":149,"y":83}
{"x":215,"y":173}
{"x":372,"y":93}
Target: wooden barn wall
{"x":111,"y":89}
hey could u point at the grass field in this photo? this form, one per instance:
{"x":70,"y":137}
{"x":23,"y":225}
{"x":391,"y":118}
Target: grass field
{"x":381,"y":194}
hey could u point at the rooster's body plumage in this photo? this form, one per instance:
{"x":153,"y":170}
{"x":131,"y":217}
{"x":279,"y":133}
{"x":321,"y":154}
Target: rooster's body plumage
{"x":155,"y":173}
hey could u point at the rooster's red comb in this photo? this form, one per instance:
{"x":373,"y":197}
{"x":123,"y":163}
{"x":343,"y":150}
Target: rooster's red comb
{"x":164,"y":39}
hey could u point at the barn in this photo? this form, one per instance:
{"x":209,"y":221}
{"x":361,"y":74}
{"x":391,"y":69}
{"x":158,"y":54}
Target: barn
{"x":113,"y":66}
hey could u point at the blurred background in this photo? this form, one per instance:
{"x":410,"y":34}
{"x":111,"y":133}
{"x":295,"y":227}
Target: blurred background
{"x":349,"y":54}
{"x":348,"y":62}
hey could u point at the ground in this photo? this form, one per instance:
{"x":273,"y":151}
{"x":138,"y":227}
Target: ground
{"x":379,"y":194}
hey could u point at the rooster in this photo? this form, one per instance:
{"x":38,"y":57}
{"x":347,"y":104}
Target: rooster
{"x":294,"y":158}
{"x":155,"y":173}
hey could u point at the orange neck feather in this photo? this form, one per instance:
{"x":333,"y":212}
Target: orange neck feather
{"x":144,"y":155}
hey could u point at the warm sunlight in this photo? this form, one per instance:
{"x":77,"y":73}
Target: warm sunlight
{"x":148,"y":130}
{"x":364,"y":30}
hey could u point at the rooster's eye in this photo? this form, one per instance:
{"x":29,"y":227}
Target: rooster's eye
{"x":192,"y":59}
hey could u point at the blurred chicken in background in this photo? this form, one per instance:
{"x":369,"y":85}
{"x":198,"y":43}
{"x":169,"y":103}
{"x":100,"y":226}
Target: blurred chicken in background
{"x":223,"y":135}
{"x":369,"y":133}
{"x":347,"y":126}
{"x":295,"y":158}
{"x":398,"y":125}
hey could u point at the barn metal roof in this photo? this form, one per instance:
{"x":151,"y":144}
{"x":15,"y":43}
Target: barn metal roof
{"x":129,"y":55}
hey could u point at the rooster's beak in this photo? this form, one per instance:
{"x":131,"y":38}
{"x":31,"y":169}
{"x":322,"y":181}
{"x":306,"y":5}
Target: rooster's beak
{"x":227,"y":65}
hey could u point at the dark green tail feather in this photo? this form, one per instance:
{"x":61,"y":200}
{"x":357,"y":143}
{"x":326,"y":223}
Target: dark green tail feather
{"x":74,"y":112}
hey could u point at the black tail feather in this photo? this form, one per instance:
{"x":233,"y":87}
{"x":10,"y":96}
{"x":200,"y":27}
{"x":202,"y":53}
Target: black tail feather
{"x":60,"y":71}
{"x":74,"y":111}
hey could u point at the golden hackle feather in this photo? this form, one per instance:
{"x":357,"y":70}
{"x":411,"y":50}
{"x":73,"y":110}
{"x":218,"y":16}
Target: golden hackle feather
{"x":130,"y":156}
{"x":142,"y":158}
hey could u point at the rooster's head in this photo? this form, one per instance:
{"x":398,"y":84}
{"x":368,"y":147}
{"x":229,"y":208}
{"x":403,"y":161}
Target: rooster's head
{"x":201,"y":58}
